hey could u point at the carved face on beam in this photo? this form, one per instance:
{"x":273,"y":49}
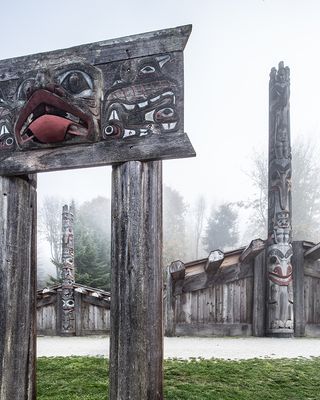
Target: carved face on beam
{"x":142,"y":100}
{"x":7,"y":141}
{"x":52,"y":106}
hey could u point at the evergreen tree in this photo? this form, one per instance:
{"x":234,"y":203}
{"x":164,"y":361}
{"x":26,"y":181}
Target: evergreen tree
{"x":92,"y":243}
{"x":174,"y":209}
{"x":222,"y":228}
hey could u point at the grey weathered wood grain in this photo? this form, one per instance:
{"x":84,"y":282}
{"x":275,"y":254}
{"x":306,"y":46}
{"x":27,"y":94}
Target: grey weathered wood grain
{"x":250,"y":252}
{"x":157,"y":147}
{"x":215,"y":259}
{"x":313,"y":253}
{"x":298,"y":288}
{"x":136,"y":288}
{"x":259,"y":296}
{"x":17,"y":288}
{"x":170,"y":306}
{"x":177,"y":270}
{"x":156,"y":42}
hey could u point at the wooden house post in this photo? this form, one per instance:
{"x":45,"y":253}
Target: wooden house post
{"x":279,"y":244}
{"x":136,"y":339}
{"x":17,"y":287}
{"x":67,"y":301}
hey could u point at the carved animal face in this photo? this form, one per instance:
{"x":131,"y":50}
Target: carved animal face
{"x":7,"y":140}
{"x":49,"y":107}
{"x":279,"y":264}
{"x":141,"y":101}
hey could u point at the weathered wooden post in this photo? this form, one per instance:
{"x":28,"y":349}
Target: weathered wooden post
{"x":279,"y":244}
{"x":67,"y":301}
{"x":116,"y":102}
{"x":136,"y":297}
{"x":17,"y":287}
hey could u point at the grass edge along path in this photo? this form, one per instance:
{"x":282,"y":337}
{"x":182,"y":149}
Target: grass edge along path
{"x":85,"y":378}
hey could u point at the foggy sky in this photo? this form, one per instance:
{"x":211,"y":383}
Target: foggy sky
{"x":229,"y":55}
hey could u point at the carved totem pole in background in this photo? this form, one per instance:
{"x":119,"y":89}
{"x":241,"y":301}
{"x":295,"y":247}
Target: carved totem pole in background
{"x":279,"y":249}
{"x":67,"y":297}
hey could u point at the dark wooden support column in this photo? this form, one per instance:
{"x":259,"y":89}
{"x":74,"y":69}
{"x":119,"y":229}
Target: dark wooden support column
{"x":298,"y":288}
{"x":279,"y":243}
{"x":136,"y":348}
{"x":17,"y":287}
{"x":259,"y":295}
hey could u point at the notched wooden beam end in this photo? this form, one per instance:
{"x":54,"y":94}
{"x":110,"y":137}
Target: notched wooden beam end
{"x":313,"y":253}
{"x":177,"y":270}
{"x":255,"y":247}
{"x":214,"y":261}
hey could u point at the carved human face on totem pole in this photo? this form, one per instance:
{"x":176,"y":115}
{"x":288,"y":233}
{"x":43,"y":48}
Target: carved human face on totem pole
{"x":96,"y":105}
{"x":279,"y":249}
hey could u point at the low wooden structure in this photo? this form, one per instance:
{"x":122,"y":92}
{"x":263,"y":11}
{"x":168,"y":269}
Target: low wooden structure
{"x":227,"y":293}
{"x":91,"y":316}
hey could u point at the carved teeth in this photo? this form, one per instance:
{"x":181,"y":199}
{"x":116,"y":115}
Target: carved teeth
{"x":128,"y":107}
{"x":143,"y":104}
{"x":143,"y":132}
{"x":73,"y":118}
{"x":114,"y":115}
{"x":167,"y":94}
{"x":129,"y":132}
{"x":169,"y":125}
{"x":154,"y":99}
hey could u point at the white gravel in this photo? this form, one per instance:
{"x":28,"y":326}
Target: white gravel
{"x":187,"y":347}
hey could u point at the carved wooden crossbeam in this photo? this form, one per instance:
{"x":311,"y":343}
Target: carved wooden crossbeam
{"x":313,"y":253}
{"x":177,"y":270}
{"x":252,"y":250}
{"x":95,"y":104}
{"x":214,"y":261}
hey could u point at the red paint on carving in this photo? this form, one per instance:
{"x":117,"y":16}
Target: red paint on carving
{"x":50,"y":128}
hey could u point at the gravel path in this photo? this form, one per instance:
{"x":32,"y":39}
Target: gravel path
{"x":186,"y":347}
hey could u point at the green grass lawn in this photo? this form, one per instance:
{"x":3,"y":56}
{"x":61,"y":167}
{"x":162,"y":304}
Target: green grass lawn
{"x":85,"y":378}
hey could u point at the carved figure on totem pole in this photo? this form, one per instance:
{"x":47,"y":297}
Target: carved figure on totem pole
{"x":67,"y":294}
{"x":279,"y":246}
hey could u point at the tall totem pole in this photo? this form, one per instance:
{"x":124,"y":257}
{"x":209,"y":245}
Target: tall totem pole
{"x":279,"y":246}
{"x":67,"y":296}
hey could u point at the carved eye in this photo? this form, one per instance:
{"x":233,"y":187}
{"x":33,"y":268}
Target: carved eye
{"x":78,"y":83}
{"x":273,"y":259}
{"x":148,"y":69}
{"x":25,"y":89}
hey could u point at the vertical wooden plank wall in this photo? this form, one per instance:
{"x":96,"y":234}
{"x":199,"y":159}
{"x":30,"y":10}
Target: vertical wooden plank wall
{"x":17,"y":287}
{"x":136,"y":348}
{"x":259,"y":296}
{"x":298,"y":288}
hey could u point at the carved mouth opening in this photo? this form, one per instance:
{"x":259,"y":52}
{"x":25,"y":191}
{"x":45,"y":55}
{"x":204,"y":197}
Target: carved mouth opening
{"x":280,"y":280}
{"x":46,"y":118}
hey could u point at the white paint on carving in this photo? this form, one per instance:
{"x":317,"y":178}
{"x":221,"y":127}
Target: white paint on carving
{"x":149,"y":116}
{"x":4,"y":130}
{"x":114,"y":115}
{"x":155,"y":99}
{"x":128,"y":107}
{"x":129,"y":132}
{"x":143,"y":104}
{"x":143,"y":132}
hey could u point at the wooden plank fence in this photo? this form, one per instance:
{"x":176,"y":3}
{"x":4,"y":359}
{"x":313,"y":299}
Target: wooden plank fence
{"x":230,"y":299}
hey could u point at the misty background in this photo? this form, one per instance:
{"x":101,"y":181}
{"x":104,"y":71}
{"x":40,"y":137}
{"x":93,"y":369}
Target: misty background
{"x":218,"y":199}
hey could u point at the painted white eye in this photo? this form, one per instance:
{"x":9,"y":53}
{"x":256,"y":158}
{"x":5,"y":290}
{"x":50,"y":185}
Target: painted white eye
{"x":9,"y":142}
{"x":76,"y":82}
{"x":148,"y":69}
{"x":25,"y":89}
